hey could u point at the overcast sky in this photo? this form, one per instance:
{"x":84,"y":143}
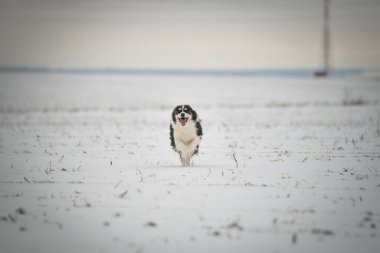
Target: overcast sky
{"x":198,"y":34}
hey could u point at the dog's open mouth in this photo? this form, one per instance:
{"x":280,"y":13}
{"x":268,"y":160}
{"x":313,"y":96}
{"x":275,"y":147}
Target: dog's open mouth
{"x":183,"y":121}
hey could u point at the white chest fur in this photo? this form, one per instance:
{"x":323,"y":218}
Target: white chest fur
{"x":185,"y":133}
{"x":185,"y":137}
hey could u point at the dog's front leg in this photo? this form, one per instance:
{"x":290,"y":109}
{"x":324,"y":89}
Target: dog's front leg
{"x":183,"y":159}
{"x":187,"y":160}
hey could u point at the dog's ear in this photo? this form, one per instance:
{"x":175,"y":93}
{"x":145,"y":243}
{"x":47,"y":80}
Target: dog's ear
{"x":174,"y":112}
{"x":195,"y":115}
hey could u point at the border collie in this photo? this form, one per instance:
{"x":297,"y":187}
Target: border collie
{"x":185,"y":132}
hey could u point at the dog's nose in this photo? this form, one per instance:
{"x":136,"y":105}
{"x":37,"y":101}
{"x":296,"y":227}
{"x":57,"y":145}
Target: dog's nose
{"x":182,"y":115}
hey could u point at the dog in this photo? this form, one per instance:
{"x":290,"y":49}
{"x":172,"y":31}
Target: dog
{"x":185,"y":132}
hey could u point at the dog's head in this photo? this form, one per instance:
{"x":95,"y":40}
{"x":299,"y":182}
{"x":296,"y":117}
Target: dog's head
{"x":183,"y":113}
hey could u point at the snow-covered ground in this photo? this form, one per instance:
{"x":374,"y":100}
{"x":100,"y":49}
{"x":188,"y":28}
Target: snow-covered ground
{"x":86,"y":165}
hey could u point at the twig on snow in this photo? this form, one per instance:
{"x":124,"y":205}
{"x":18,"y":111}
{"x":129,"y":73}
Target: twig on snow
{"x":234,"y":157}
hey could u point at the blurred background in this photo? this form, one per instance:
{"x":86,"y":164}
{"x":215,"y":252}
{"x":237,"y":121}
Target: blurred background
{"x":188,"y":35}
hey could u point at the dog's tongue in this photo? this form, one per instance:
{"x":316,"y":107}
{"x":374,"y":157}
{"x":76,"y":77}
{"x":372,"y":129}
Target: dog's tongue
{"x":183,"y":121}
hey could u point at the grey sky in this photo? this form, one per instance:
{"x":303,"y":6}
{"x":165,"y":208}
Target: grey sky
{"x":239,"y":34}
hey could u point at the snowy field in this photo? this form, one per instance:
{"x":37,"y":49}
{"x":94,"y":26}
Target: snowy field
{"x":86,"y":165}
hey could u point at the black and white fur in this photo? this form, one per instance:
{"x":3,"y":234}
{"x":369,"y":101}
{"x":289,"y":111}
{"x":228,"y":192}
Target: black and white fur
{"x":185,"y":132}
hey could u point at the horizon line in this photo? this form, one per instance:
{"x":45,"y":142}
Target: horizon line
{"x":178,"y":71}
